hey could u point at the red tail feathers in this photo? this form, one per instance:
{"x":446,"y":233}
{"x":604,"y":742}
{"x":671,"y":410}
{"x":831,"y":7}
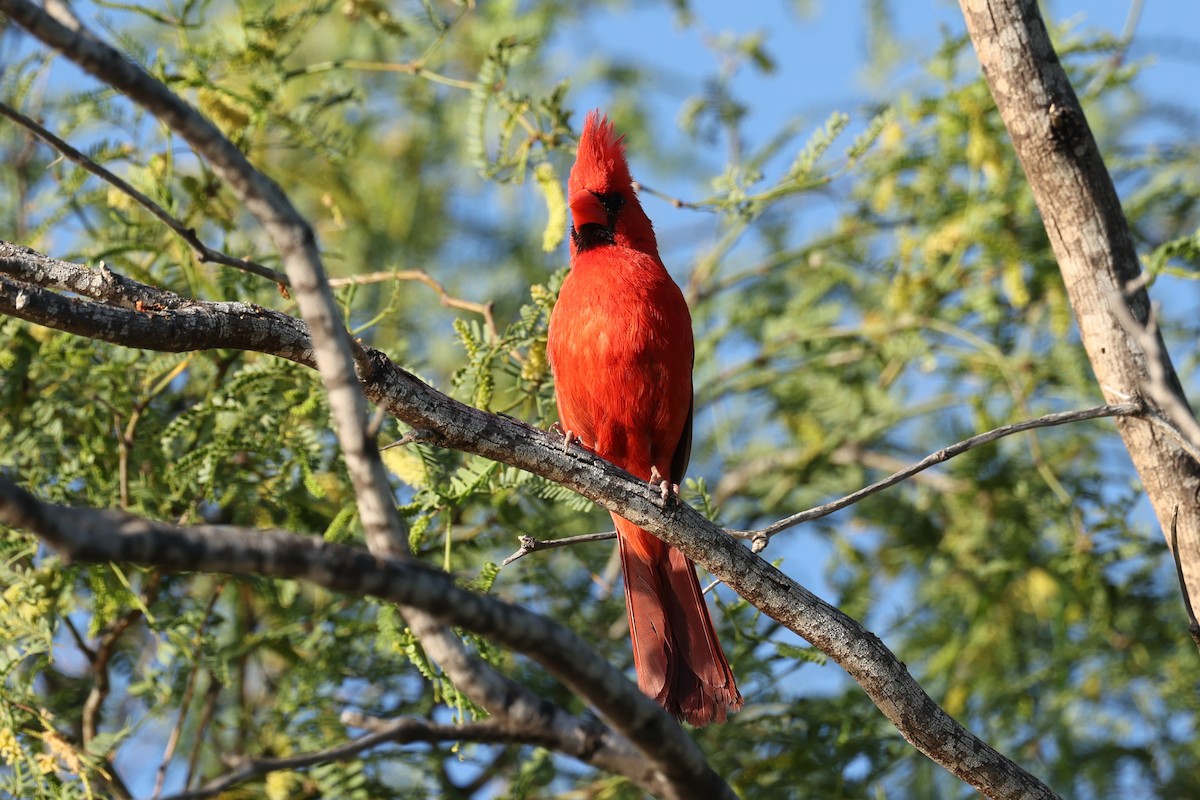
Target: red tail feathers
{"x":676,"y":652}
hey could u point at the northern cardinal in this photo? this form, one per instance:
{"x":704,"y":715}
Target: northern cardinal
{"x":620,"y":348}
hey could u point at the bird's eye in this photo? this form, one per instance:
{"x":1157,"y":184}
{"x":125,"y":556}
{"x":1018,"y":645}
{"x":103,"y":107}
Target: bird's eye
{"x":612,"y":202}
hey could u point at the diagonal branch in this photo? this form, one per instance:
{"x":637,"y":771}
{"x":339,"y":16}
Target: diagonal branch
{"x":945,"y":454}
{"x":761,"y":538}
{"x":529,"y":544}
{"x":1157,"y":384}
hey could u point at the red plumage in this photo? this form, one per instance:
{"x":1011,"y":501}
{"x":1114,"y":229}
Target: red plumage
{"x":620,"y":347}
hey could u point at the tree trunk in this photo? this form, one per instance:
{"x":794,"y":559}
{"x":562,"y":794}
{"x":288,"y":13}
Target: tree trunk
{"x":1091,"y":241}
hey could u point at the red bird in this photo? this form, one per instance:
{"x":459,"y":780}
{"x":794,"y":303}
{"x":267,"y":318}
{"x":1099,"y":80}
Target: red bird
{"x":620,"y":348}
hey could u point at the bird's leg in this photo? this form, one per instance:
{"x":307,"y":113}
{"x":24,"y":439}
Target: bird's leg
{"x":665,"y":487}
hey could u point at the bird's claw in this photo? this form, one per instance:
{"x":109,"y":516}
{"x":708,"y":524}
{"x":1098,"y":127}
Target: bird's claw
{"x":667,"y":489}
{"x":568,"y":436}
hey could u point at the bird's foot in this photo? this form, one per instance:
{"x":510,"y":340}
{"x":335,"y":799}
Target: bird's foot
{"x":568,"y":436}
{"x":665,"y":487}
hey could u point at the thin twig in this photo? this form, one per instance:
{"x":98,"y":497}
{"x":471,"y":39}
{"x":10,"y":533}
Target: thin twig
{"x":853,"y":453}
{"x":484,"y":310}
{"x":202,"y":251}
{"x":176,"y":732}
{"x":1157,"y":385}
{"x":415,"y":68}
{"x":104,"y":653}
{"x":531,"y":545}
{"x":210,"y":708}
{"x":760,"y":538}
{"x":415,"y":435}
{"x":1124,"y":42}
{"x":79,"y":642}
{"x":1193,"y":624}
{"x":677,"y":202}
{"x":401,"y":731}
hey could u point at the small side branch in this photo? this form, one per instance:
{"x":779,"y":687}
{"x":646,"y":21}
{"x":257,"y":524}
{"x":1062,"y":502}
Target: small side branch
{"x":485,"y":310}
{"x":401,"y":731}
{"x":531,"y":545}
{"x":1193,"y":624}
{"x":761,"y":538}
{"x":1158,"y":383}
{"x":203,"y":252}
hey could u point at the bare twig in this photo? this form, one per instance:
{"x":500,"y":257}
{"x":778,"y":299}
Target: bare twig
{"x":676,"y":202}
{"x":202,"y":251}
{"x":485,"y":310}
{"x":87,"y":651}
{"x":104,"y":652}
{"x":1157,"y":384}
{"x":415,"y":435}
{"x":945,"y":454}
{"x":531,"y":545}
{"x":401,"y":731}
{"x":416,"y":67}
{"x":760,"y":538}
{"x":1193,"y":624}
{"x":735,"y":480}
{"x":186,"y":701}
{"x":210,"y":707}
{"x":1124,"y":41}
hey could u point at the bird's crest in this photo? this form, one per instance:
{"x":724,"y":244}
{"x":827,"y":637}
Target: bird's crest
{"x":600,"y":165}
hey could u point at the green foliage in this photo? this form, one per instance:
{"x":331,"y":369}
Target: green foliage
{"x":1020,"y":583}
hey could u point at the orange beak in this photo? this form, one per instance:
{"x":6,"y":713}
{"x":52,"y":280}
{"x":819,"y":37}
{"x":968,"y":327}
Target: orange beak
{"x":586,"y":209}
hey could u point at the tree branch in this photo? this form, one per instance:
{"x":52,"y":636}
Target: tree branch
{"x":1157,"y":385}
{"x":734,"y":480}
{"x":1091,"y":241}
